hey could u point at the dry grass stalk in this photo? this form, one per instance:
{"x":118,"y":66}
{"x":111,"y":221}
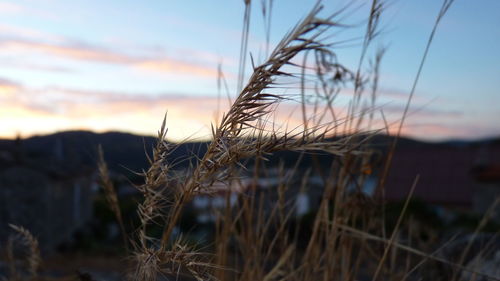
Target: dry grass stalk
{"x":239,"y":135}
{"x":341,"y":242}
{"x":250,"y":236}
{"x":230,"y":144}
{"x":110,"y":194}
{"x":487,"y":216}
{"x":396,"y":229}
{"x":33,"y":258}
{"x":156,"y":179}
{"x":442,"y":12}
{"x":11,"y":260}
{"x":365,"y":235}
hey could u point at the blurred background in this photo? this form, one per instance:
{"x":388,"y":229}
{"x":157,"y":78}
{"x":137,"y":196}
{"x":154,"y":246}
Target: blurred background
{"x":78,"y":74}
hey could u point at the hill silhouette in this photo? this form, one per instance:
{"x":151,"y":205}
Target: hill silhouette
{"x":125,"y":152}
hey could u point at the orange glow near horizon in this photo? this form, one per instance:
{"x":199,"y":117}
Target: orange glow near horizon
{"x":27,"y":112}
{"x":188,"y":118}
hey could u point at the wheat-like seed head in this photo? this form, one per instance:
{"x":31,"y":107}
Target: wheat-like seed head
{"x":33,"y":259}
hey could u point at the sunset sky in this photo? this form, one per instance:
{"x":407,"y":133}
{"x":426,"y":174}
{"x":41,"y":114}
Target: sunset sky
{"x":120,"y":65}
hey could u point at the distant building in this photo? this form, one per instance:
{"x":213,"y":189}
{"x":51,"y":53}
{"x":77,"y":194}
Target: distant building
{"x":448,"y":174}
{"x":487,"y":190}
{"x":298,"y":197}
{"x":44,"y":196}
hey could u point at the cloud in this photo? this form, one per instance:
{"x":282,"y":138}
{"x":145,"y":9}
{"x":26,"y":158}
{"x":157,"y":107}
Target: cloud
{"x":445,"y":131}
{"x":175,"y":66}
{"x":12,"y":31}
{"x":10,"y":8}
{"x":425,"y":111}
{"x":8,"y":88}
{"x":20,"y":64}
{"x":34,"y":111}
{"x":142,"y":57}
{"x":74,"y":51}
{"x":90,"y":53}
{"x":32,"y":41}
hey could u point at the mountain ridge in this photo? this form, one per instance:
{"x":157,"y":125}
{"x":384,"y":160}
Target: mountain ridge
{"x":126,"y":152}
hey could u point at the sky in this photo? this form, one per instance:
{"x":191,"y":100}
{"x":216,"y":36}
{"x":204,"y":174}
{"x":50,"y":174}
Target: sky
{"x":121,"y":65}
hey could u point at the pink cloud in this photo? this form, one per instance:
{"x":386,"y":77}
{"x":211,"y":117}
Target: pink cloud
{"x":10,"y":8}
{"x":58,"y":109}
{"x":36,"y":66}
{"x":445,"y":131}
{"x":13,"y":31}
{"x":421,"y":111}
{"x":175,"y":66}
{"x":85,"y":52}
{"x":8,"y":88}
{"x":53,"y":109}
{"x":32,"y":111}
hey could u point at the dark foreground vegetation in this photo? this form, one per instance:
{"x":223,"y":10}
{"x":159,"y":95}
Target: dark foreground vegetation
{"x":325,"y":201}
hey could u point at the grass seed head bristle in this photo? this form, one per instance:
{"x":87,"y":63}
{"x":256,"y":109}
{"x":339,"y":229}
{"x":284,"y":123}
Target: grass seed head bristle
{"x":106,"y":183}
{"x":110,"y":194}
{"x":155,"y":186}
{"x":33,"y":258}
{"x":147,"y":265}
{"x":253,"y":103}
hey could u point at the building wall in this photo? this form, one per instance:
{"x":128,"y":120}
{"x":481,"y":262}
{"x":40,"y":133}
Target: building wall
{"x":52,"y":209}
{"x":484,"y":196}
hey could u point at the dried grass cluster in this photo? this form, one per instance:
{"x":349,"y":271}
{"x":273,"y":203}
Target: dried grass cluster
{"x":348,"y":240}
